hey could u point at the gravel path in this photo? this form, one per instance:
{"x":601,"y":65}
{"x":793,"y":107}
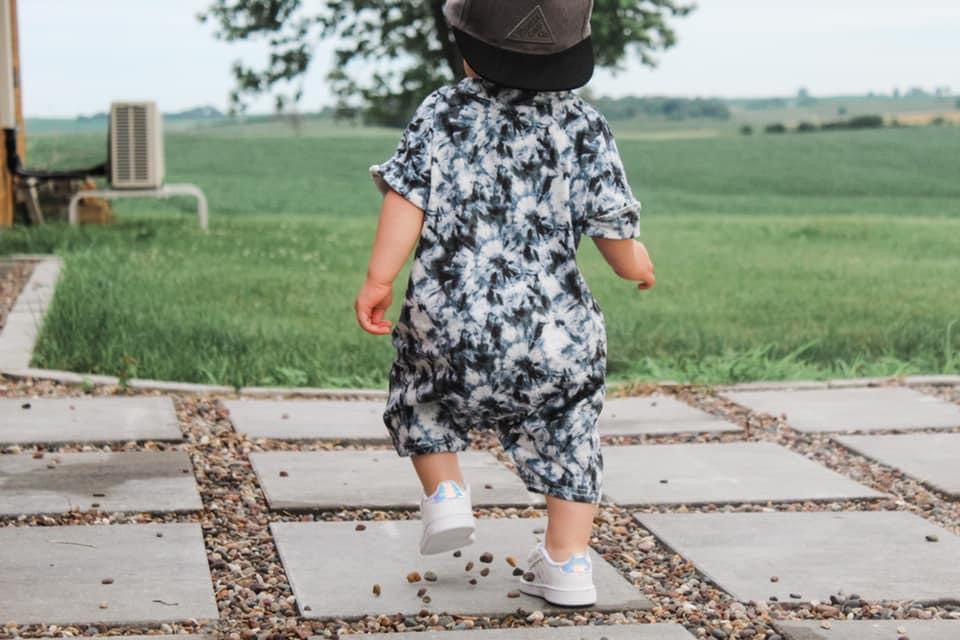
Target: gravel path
{"x":256,"y":601}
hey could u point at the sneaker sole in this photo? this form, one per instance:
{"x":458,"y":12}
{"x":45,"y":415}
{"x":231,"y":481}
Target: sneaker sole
{"x":448,"y":534}
{"x":558,"y":597}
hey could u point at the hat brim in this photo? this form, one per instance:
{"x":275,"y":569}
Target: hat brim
{"x":569,"y":69}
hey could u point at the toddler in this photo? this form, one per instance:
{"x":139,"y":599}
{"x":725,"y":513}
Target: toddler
{"x":495,"y":180}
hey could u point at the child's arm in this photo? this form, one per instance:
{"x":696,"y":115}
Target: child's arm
{"x":628,"y":258}
{"x":397,"y":234}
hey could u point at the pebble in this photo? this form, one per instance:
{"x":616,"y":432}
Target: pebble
{"x":376,"y":589}
{"x":473,"y":581}
{"x":932,"y":538}
{"x":518,"y":571}
{"x":774,"y":579}
{"x":413,"y":576}
{"x":430,"y":576}
{"x":457,"y":553}
{"x":360,"y":527}
{"x":485,"y":572}
{"x":469,"y":566}
{"x":284,"y":474}
{"x":511,"y":561}
{"x":422,"y":591}
{"x":486,"y":557}
{"x":529,"y":576}
{"x":103,"y":605}
{"x":536,"y":616}
{"x":513,"y":594}
{"x":107,"y":581}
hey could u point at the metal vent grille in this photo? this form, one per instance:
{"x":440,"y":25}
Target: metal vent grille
{"x":136,"y":146}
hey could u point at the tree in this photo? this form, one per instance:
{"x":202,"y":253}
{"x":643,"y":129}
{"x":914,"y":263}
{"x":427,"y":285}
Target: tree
{"x":406,"y":47}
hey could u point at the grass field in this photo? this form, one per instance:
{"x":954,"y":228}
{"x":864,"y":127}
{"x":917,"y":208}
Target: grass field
{"x":797,"y":256}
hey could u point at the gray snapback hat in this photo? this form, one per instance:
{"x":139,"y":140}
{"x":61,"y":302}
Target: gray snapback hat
{"x":542,"y":45}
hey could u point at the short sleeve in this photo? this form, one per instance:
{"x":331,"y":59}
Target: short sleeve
{"x":611,"y":210}
{"x":407,"y":171}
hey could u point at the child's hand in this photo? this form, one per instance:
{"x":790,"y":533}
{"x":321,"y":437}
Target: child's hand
{"x":645,"y":264}
{"x":372,"y":302}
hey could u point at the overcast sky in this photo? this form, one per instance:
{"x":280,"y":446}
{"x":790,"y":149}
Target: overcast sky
{"x":78,"y":56}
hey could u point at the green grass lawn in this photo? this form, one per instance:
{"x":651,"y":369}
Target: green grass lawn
{"x":798,"y":256}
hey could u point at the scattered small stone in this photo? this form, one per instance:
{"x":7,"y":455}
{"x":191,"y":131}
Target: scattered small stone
{"x":430,"y":576}
{"x":25,"y":405}
{"x":664,"y":481}
{"x":307,"y":608}
{"x":99,"y":495}
{"x":413,"y":576}
{"x":513,"y":594}
{"x":473,"y":581}
{"x":94,"y":505}
{"x":488,"y":486}
{"x":284,"y":474}
{"x":426,"y":599}
{"x":487,"y":557}
{"x":796,"y":596}
{"x":538,"y":531}
{"x":424,"y":613}
{"x":774,"y":599}
{"x":103,"y":605}
{"x":422,"y":591}
{"x":826,"y":625}
{"x":376,"y":590}
{"x":285,"y":416}
{"x":932,"y":538}
{"x":529,"y":576}
{"x":107,"y":581}
{"x":511,"y":561}
{"x":360,"y":527}
{"x":774,"y":579}
{"x":51,"y":466}
{"x":485,"y":572}
{"x":159,"y":534}
{"x":518,"y":571}
{"x":469,"y":566}
{"x":457,"y":553}
{"x":536,"y":616}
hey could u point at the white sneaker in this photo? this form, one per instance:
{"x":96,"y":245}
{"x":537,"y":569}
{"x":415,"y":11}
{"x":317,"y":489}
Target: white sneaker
{"x":566,"y":584}
{"x":447,"y":519}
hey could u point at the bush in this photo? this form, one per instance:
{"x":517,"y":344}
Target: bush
{"x":806,"y":127}
{"x":866,"y":122}
{"x":746,"y":130}
{"x":777,"y":127}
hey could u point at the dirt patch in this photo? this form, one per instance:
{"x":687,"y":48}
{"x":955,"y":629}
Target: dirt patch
{"x":13,"y":276}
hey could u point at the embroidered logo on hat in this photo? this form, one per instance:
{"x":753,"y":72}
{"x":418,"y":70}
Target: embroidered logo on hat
{"x":532,"y":28}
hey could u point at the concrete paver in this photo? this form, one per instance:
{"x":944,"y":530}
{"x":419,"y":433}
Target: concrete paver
{"x":57,"y":574}
{"x":660,"y":631}
{"x":116,"y":481}
{"x":932,"y":458}
{"x":867,"y":409}
{"x":332,"y":568}
{"x":880,"y":555}
{"x":88,"y":419}
{"x":720,"y":473}
{"x":309,"y":419}
{"x":376,"y":479}
{"x":657,"y":414}
{"x":871,"y":630}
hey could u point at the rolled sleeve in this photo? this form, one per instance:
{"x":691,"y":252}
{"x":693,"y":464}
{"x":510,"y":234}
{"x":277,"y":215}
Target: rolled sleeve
{"x":408,"y":170}
{"x":612,"y":211}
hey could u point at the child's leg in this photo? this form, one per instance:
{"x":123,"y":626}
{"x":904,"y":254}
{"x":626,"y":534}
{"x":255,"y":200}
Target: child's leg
{"x":434,"y":468}
{"x":569,"y":527}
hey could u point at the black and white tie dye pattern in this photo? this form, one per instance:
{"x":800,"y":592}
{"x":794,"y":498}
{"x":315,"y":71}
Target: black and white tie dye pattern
{"x":498,"y":328}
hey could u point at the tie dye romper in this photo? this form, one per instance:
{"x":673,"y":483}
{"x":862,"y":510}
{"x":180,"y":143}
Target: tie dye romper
{"x":498,"y":328}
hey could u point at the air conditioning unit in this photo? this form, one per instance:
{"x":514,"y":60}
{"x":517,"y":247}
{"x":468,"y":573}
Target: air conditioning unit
{"x":136,"y":146}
